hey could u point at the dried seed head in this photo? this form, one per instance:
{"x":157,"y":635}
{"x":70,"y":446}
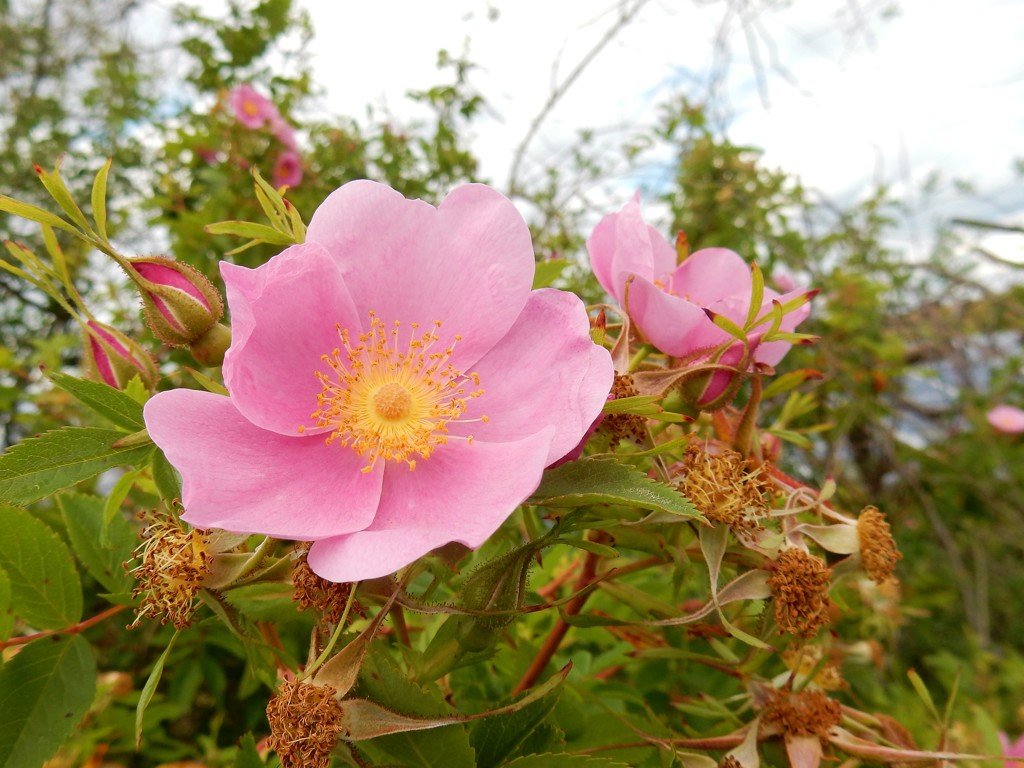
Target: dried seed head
{"x":724,"y":489}
{"x":173,"y":563}
{"x":807,"y":660}
{"x":800,"y":587}
{"x":807,"y":713}
{"x":729,"y":762}
{"x":878,"y":550}
{"x":305,"y":724}
{"x":624,"y":426}
{"x":327,"y":597}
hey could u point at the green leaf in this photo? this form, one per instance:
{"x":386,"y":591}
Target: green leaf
{"x":45,"y":589}
{"x":166,"y":478}
{"x":260,"y":232}
{"x":548,"y":271}
{"x":59,"y":191}
{"x":6,"y":609}
{"x":604,"y":481}
{"x":446,"y":747}
{"x":564,"y":760}
{"x":84,"y":517}
{"x":495,"y":738}
{"x":111,"y":403}
{"x":31,"y":212}
{"x":39,"y":466}
{"x":99,"y":198}
{"x":44,"y":691}
{"x":248,"y":756}
{"x":591,"y":546}
{"x":150,"y":688}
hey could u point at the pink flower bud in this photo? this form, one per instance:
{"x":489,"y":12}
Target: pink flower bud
{"x":114,"y":359}
{"x":181,"y":305}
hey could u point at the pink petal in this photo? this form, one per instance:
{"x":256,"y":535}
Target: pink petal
{"x":545,"y":371}
{"x":622,"y":244}
{"x":711,"y":274}
{"x":671,"y":323}
{"x":468,"y":263}
{"x":1006,"y":419}
{"x":462,"y":493}
{"x":241,"y":478}
{"x":803,"y":751}
{"x":283,"y":317}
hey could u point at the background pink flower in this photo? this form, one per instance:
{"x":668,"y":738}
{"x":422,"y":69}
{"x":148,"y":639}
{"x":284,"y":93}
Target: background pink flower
{"x":668,"y":302}
{"x":251,"y":108}
{"x":1012,"y":749}
{"x":1007,"y":419}
{"x":395,"y":384}
{"x":288,"y":169}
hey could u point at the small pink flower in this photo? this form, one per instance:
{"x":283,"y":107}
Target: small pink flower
{"x":668,"y":302}
{"x":395,"y":384}
{"x":1012,"y":749}
{"x":1006,"y":419}
{"x":283,"y":131}
{"x":287,"y":169}
{"x":251,"y":108}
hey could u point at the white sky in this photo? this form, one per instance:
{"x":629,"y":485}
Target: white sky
{"x":862,"y":98}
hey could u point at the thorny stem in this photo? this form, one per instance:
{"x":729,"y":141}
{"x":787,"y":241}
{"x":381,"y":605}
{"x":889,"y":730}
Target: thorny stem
{"x":558,"y":632}
{"x":74,"y":629}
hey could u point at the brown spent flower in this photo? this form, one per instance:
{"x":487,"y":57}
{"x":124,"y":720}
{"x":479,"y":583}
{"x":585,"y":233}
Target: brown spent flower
{"x":174,"y":562}
{"x":800,"y":587}
{"x":625,"y":426}
{"x":878,"y":551}
{"x":808,"y":659}
{"x":807,"y":713}
{"x":724,"y":489}
{"x":305,"y":724}
{"x":729,"y":762}
{"x":327,"y":597}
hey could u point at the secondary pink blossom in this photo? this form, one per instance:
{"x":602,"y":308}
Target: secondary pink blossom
{"x":395,"y":384}
{"x":252,"y":109}
{"x":668,"y":302}
{"x":283,"y":131}
{"x":288,"y":169}
{"x":1006,"y":419}
{"x":1011,"y":750}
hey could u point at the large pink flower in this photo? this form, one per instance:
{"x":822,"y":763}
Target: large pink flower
{"x":668,"y":302}
{"x":252,"y":109}
{"x":395,"y":384}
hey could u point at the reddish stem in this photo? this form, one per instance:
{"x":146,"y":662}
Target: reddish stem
{"x":74,"y":629}
{"x":558,"y":632}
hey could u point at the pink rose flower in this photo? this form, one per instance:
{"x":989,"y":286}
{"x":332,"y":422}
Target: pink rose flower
{"x":668,"y":302}
{"x":395,"y":384}
{"x":1012,"y":749}
{"x":251,"y":108}
{"x":1006,"y":419}
{"x":287,"y":169}
{"x":283,"y":131}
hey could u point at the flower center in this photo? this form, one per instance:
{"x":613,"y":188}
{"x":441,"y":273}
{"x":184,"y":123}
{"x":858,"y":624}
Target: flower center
{"x":390,"y":404}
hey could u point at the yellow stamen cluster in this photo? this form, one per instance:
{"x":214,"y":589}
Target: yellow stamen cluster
{"x":390,"y":404}
{"x":810,"y":659}
{"x":625,"y":426}
{"x":807,"y":713}
{"x":174,"y":562}
{"x":305,"y":724}
{"x":800,"y":587}
{"x":327,"y":597}
{"x":878,"y":551}
{"x":724,"y":489}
